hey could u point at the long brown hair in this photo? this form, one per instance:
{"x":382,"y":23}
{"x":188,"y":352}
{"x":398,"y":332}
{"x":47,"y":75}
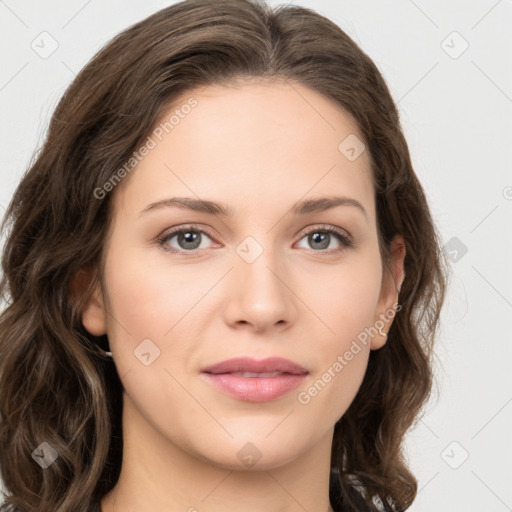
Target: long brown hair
{"x":57,"y":385}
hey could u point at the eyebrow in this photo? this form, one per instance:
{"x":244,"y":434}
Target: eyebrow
{"x":300,"y":208}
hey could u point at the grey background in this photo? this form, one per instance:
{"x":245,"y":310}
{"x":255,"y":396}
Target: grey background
{"x":456,"y":109}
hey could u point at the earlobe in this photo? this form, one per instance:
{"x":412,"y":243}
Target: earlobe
{"x":93,"y":311}
{"x":93,"y":316}
{"x":391,"y":283}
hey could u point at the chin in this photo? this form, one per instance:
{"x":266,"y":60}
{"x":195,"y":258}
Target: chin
{"x":252,"y":452}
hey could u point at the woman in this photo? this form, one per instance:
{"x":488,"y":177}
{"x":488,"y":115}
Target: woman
{"x":223,"y":280}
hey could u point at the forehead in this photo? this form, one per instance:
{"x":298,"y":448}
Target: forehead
{"x":275,"y":140}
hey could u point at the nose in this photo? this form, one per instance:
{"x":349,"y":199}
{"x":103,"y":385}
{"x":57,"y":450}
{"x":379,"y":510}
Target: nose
{"x":260,"y":293}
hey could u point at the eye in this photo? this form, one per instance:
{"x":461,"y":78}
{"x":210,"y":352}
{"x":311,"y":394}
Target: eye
{"x":321,"y":238}
{"x":188,"y":239}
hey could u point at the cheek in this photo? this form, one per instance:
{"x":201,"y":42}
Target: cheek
{"x":343,"y":299}
{"x":149,"y":302}
{"x":150,"y":297}
{"x":340,"y":366}
{"x":333,"y":389}
{"x":347,"y":308}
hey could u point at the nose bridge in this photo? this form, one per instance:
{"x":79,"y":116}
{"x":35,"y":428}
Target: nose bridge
{"x":257,"y":265}
{"x":259,"y":295}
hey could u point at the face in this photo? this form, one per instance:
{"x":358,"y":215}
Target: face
{"x":267,"y":271}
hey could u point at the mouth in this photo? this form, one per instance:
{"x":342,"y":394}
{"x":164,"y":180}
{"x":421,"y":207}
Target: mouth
{"x":248,"y":365}
{"x":254,"y":380}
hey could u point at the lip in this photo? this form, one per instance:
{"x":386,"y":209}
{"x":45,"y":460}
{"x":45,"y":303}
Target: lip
{"x":223,"y":376}
{"x":249,"y":364}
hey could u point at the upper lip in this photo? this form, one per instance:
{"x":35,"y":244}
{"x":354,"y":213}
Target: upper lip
{"x":248,"y":364}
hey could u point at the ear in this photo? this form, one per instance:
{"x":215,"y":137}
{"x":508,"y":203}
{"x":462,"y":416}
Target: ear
{"x":391,"y":283}
{"x":93,"y":311}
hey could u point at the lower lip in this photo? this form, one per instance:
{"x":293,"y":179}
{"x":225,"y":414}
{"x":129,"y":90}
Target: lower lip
{"x":255,"y":389}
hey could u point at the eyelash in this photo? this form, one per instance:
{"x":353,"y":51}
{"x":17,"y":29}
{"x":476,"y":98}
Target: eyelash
{"x":346,"y":241}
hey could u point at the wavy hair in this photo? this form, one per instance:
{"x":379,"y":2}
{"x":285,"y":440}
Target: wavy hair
{"x":57,"y":385}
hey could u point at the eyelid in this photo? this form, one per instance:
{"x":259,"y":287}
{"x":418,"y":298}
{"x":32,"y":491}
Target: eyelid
{"x":326,"y":227}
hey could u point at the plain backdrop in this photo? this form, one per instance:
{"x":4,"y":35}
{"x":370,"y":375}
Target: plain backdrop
{"x":448,"y":65}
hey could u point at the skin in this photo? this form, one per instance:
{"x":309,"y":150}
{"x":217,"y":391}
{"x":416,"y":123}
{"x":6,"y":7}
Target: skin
{"x":257,"y":148}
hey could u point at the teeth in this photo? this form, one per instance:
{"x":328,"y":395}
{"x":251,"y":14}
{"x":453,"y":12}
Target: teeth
{"x":252,"y":374}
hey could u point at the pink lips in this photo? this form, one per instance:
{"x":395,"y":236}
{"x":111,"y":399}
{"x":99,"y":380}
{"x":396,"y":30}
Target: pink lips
{"x":255,"y":380}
